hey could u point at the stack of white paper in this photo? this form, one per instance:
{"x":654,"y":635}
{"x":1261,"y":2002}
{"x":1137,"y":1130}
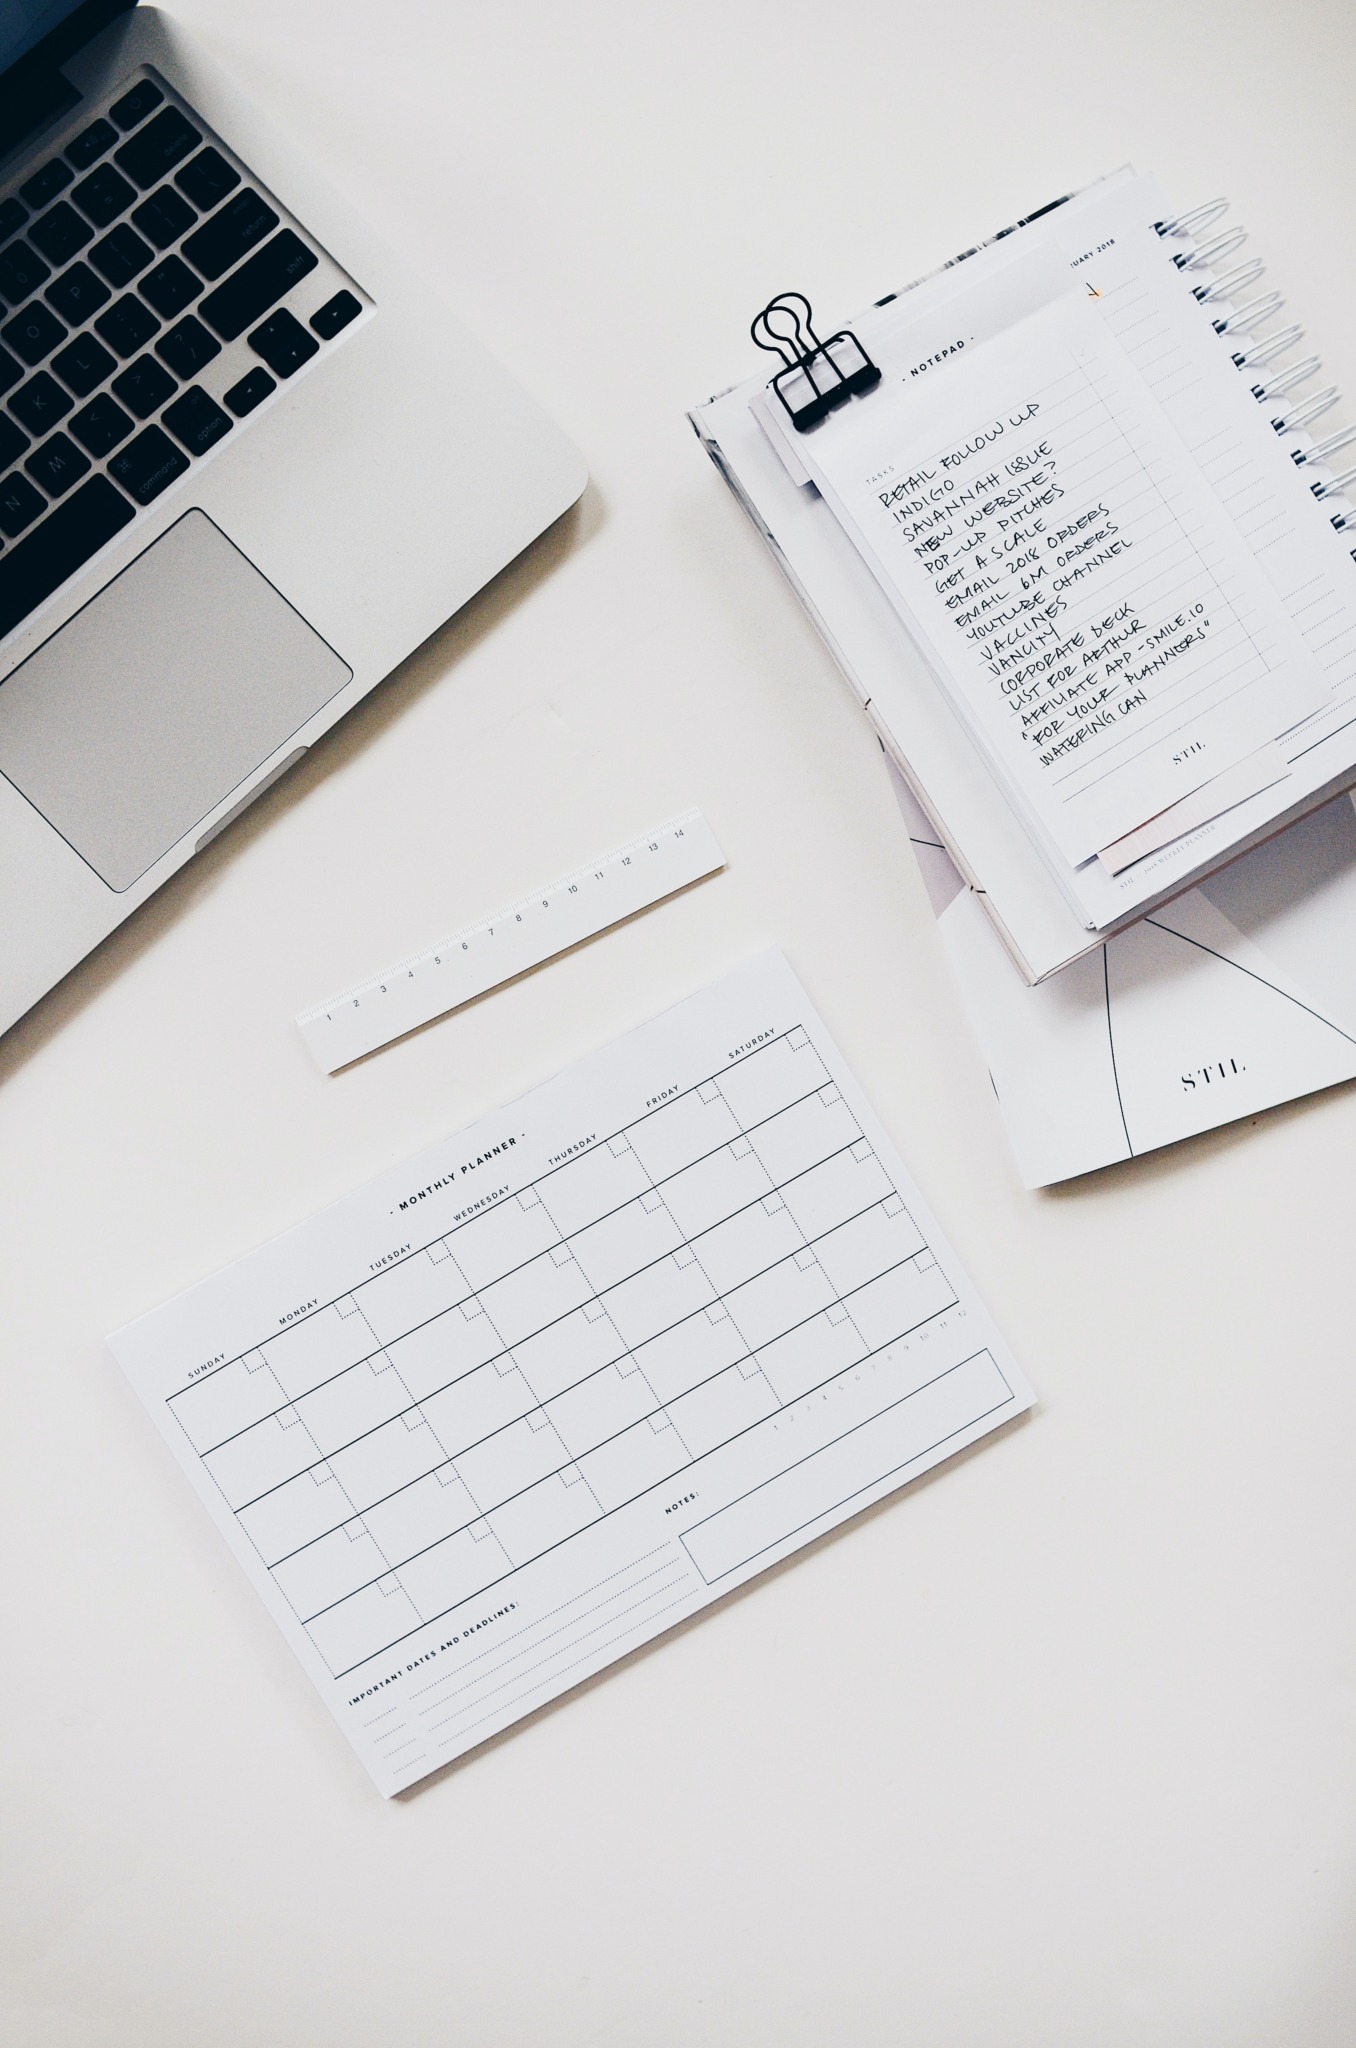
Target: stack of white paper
{"x":1066,"y":560}
{"x":1080,"y":592}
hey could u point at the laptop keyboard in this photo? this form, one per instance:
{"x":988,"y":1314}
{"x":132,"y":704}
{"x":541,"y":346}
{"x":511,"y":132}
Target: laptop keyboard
{"x":153,"y":298}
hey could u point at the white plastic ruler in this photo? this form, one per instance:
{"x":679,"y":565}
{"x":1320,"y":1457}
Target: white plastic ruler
{"x":492,"y":951}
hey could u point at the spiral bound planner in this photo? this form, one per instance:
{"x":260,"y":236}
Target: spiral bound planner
{"x":1083,"y":545}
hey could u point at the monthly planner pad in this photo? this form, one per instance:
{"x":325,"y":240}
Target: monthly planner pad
{"x":523,"y":1404}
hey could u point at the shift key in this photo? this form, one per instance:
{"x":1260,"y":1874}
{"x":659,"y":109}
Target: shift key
{"x":258,"y":284}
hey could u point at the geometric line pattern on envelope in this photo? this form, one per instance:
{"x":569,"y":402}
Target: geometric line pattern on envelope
{"x":483,"y":1400}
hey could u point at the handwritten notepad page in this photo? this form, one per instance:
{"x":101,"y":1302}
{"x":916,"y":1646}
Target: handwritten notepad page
{"x":1077,"y":585}
{"x":513,"y":1410}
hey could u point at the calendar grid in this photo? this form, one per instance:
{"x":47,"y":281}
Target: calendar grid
{"x":519,"y":1407}
{"x":416,"y":1252}
{"x":610,"y":1328}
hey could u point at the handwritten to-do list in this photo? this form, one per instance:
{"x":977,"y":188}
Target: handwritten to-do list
{"x":1098,"y":616}
{"x":511,"y":1411}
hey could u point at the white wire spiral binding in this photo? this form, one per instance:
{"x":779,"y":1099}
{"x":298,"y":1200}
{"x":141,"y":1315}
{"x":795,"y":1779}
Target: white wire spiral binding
{"x":1270,"y":346}
{"x":1225,"y":287}
{"x":1286,"y":379}
{"x":1289,"y":421}
{"x":1210,"y":252}
{"x":1321,"y":450}
{"x":1248,"y":316}
{"x":1309,"y":409}
{"x":1196,"y":217}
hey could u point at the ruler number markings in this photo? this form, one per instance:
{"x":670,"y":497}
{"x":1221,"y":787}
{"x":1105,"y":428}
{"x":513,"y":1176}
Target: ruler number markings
{"x":357,"y":1022}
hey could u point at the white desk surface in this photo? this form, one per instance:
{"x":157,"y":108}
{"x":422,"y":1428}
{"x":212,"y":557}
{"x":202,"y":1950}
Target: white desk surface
{"x":1058,"y":1748}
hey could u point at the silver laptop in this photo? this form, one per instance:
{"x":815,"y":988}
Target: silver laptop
{"x":247,"y":463}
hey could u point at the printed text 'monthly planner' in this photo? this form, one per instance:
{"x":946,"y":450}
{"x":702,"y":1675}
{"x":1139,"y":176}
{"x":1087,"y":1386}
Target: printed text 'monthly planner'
{"x":511,"y":1411}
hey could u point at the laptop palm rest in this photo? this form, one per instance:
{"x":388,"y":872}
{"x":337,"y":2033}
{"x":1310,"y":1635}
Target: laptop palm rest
{"x":159,"y":697}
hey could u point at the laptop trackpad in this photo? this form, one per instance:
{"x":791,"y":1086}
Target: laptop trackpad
{"x":162,"y":695}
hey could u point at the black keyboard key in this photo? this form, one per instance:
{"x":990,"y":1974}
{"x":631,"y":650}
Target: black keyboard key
{"x":207,"y":179}
{"x":90,"y":144}
{"x":13,"y":441}
{"x":57,"y":465}
{"x":259,"y":283}
{"x":144,"y":386}
{"x":12,"y":218}
{"x":100,"y":425}
{"x":20,"y":505}
{"x":225,"y":238}
{"x":252,"y":390}
{"x":164,"y":217}
{"x":60,"y":232}
{"x":157,"y":147}
{"x":10,"y":370}
{"x":77,"y":294}
{"x":22,"y":270}
{"x":34,"y":333}
{"x":127,"y":325}
{"x":77,"y":529}
{"x":135,"y":105}
{"x":170,"y":287}
{"x":83,"y":365}
{"x":196,"y":420}
{"x":45,"y":184}
{"x":146,"y":466}
{"x":103,"y":195}
{"x":40,"y":403}
{"x":283,"y":343}
{"x":187,"y":347}
{"x":335,"y":314}
{"x":121,"y":256}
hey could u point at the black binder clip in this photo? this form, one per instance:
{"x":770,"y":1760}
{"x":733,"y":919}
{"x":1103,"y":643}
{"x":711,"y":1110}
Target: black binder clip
{"x":819,"y":375}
